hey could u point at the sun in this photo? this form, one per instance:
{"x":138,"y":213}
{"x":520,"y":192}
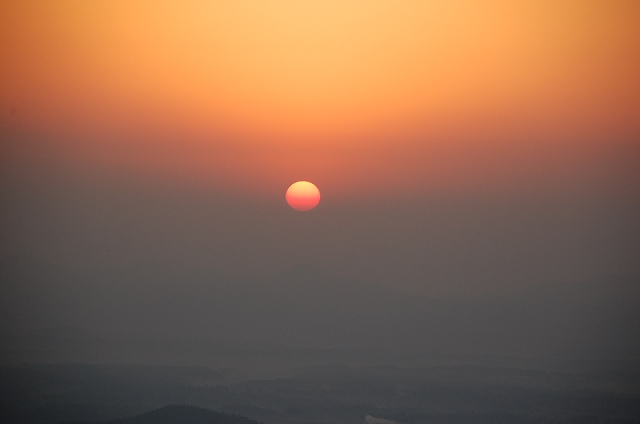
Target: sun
{"x":303,"y":196}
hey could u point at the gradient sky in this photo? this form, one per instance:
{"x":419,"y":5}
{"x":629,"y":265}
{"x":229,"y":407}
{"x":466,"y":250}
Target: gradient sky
{"x":460,"y":146}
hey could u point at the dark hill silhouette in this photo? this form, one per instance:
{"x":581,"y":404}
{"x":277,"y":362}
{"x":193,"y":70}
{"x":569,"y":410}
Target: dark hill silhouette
{"x":179,"y":414}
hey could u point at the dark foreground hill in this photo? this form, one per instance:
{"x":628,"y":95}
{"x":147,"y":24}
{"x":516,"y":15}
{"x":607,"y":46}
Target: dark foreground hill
{"x":532,"y":392}
{"x":179,"y":414}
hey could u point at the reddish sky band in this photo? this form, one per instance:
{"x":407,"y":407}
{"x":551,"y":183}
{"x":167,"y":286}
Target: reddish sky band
{"x":379,"y":101}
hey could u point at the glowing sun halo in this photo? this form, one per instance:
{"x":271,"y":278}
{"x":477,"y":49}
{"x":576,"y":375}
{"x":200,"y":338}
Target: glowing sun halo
{"x":303,"y":196}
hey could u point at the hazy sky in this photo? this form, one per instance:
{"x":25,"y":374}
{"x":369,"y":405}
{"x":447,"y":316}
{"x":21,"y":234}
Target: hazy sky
{"x":459,"y":146}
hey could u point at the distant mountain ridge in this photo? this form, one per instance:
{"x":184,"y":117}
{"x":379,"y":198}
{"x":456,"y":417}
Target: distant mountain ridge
{"x":305,"y":308}
{"x":178,"y":414}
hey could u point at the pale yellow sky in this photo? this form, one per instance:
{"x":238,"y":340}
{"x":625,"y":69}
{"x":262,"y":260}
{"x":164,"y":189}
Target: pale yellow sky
{"x":327,"y":88}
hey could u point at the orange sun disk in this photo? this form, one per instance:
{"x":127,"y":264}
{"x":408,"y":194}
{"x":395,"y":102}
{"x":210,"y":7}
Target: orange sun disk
{"x":303,"y":196}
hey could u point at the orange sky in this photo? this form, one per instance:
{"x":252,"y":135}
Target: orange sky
{"x":360,"y":97}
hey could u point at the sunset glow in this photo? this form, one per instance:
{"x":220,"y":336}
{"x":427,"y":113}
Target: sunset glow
{"x":391,"y":92}
{"x":303,"y":196}
{"x":462,"y":147}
